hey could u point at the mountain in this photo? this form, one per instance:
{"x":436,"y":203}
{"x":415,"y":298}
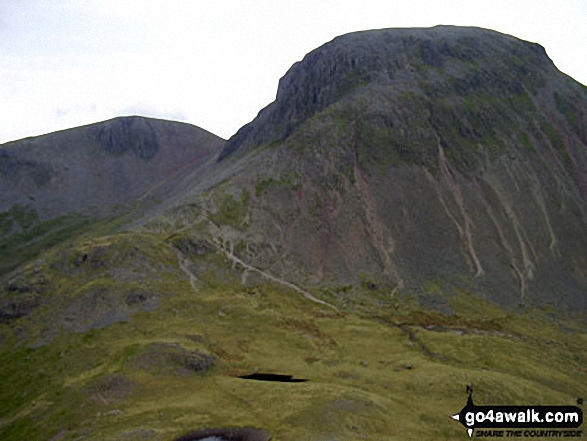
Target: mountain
{"x":100,"y":165}
{"x":453,"y":156}
{"x":94,"y":171}
{"x":405,"y":220}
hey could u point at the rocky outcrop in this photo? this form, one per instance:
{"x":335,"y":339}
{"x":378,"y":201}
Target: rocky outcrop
{"x":129,"y":134}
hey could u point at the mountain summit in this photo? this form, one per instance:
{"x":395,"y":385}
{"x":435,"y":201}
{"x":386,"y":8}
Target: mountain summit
{"x":398,"y":59}
{"x":425,"y":156}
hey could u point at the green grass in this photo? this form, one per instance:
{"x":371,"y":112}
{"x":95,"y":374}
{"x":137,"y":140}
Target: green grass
{"x":32,"y":242}
{"x":230,"y":211}
{"x":288,"y":180}
{"x":20,"y":215}
{"x":556,"y":141}
{"x":525,"y":142}
{"x":101,"y":384}
{"x":566,"y":107}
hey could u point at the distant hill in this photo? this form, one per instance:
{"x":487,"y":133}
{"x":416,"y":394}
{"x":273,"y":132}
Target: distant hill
{"x":99,"y":165}
{"x":95,"y":171}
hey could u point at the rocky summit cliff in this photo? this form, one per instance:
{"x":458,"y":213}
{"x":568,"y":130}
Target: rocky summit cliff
{"x":450,"y":156}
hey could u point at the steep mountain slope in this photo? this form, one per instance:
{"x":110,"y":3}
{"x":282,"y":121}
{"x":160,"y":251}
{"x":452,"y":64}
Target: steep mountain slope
{"x":398,"y":224}
{"x":94,"y":171}
{"x":450,"y":156}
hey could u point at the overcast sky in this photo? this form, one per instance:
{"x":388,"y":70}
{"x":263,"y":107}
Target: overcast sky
{"x":216,"y":63}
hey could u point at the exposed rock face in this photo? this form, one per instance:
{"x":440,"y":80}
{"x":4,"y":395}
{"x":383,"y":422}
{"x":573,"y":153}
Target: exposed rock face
{"x":395,"y":58}
{"x":445,"y":157}
{"x":130,"y":134}
{"x":98,"y":166}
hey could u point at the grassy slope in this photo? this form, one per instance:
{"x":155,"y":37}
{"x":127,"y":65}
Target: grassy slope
{"x":107,"y":383}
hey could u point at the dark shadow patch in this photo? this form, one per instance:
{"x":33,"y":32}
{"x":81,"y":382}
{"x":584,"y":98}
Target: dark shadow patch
{"x":227,"y":435}
{"x":272,"y":377}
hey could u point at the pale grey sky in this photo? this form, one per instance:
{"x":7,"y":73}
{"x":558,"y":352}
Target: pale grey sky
{"x":216,"y":63}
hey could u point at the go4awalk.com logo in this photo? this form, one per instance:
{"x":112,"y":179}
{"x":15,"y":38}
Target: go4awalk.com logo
{"x":520,"y":421}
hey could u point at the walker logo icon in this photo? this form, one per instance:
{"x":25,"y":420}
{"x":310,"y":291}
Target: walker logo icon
{"x":510,"y":421}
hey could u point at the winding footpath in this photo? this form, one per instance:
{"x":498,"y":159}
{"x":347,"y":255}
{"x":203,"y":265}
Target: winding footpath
{"x":234,"y":259}
{"x":183,"y":265}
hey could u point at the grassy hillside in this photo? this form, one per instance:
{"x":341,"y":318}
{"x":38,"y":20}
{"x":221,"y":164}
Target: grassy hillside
{"x":142,"y":336}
